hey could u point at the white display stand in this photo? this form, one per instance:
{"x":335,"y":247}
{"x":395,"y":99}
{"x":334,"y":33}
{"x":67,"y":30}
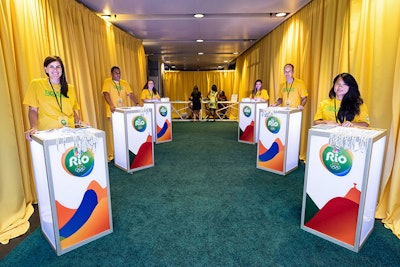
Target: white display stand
{"x":342,"y":178}
{"x":71,"y":175}
{"x":279,"y":139}
{"x":162,"y":126}
{"x":133,"y":138}
{"x":248,"y":121}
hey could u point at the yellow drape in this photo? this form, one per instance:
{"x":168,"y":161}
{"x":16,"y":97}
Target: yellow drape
{"x":31,"y":30}
{"x":178,"y":85}
{"x":328,"y":37}
{"x":323,"y":39}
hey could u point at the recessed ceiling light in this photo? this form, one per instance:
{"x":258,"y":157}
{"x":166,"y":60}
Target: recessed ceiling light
{"x":106,"y":16}
{"x":199,"y":40}
{"x":200,"y":53}
{"x":198,"y":15}
{"x":235,"y":53}
{"x":281,"y":14}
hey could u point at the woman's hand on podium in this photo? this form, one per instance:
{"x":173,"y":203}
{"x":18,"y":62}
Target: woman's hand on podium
{"x":82,"y":124}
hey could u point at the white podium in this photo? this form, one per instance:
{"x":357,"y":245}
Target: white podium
{"x":133,"y":138}
{"x":248,"y":121}
{"x":71,"y":175}
{"x":342,"y":178}
{"x":279,"y":139}
{"x":162,"y":126}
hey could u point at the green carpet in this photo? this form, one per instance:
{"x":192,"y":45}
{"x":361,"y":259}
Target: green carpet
{"x":205,"y":203}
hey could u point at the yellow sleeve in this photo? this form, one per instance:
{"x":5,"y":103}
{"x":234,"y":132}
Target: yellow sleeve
{"x":264,"y":94}
{"x":106,"y":85}
{"x":363,"y":116}
{"x":31,"y":98}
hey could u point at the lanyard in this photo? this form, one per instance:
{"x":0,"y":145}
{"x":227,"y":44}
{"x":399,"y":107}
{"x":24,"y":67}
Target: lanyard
{"x":117,"y":87}
{"x":55,"y":95}
{"x":335,"y":109}
{"x":288,"y":90}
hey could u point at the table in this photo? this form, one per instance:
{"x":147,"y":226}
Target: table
{"x":133,"y":138}
{"x":248,"y":129}
{"x":342,"y":179}
{"x":277,"y":150}
{"x":71,"y":177}
{"x":162,"y":125}
{"x":180,"y":108}
{"x":224,"y":111}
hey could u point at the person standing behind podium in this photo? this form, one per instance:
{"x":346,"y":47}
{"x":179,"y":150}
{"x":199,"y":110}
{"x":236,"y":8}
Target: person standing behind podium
{"x":116,"y":92}
{"x":149,"y":92}
{"x":293,"y":92}
{"x":52,"y":101}
{"x":258,"y":93}
{"x":213,"y":97}
{"x":345,"y":106}
{"x":195,"y":97}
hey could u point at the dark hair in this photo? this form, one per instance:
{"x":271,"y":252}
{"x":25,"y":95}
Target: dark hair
{"x":289,"y":64}
{"x":63,"y":79}
{"x":146,"y":86}
{"x":351,"y":101}
{"x":254,"y":91}
{"x":114,"y":68}
{"x":214,"y":88}
{"x":195,"y":89}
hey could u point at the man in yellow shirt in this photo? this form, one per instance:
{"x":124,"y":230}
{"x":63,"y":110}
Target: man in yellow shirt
{"x":293,"y":92}
{"x":116,"y":92}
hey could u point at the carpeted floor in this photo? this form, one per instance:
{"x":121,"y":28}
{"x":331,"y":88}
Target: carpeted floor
{"x":205,"y":203}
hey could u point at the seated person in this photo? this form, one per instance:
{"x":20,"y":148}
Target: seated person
{"x":222,"y":97}
{"x":345,"y":107}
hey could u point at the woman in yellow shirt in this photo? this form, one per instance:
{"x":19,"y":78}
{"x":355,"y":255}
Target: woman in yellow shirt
{"x":149,"y":92}
{"x":345,"y":106}
{"x":259,"y":94}
{"x":52,"y":101}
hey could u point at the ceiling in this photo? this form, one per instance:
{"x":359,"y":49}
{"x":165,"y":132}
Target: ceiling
{"x":169,"y":30}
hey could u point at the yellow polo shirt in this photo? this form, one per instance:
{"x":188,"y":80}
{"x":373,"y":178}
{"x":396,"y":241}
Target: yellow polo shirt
{"x":52,"y":106}
{"x":326,"y":111}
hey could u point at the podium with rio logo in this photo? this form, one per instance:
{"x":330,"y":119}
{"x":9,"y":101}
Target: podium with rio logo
{"x":162,"y":126}
{"x":342,"y":179}
{"x":71,"y":175}
{"x":133,"y":138}
{"x":248,"y":127}
{"x":279,"y":139}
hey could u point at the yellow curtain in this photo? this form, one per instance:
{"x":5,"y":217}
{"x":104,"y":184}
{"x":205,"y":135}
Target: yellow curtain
{"x":178,"y":85}
{"x":31,"y":30}
{"x":328,"y":37}
{"x":389,"y":203}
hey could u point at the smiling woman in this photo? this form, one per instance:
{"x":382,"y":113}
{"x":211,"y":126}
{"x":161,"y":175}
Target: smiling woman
{"x":345,"y":106}
{"x":52,"y":102}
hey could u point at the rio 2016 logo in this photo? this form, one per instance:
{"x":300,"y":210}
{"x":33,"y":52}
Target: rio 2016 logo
{"x":139,"y":123}
{"x":163,"y":111}
{"x":79,"y":165}
{"x":273,"y":124}
{"x":247,"y":111}
{"x":337,"y":160}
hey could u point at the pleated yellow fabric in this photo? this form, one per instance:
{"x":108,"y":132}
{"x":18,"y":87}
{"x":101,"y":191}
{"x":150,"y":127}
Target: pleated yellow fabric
{"x":89,"y":47}
{"x":326,"y":37}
